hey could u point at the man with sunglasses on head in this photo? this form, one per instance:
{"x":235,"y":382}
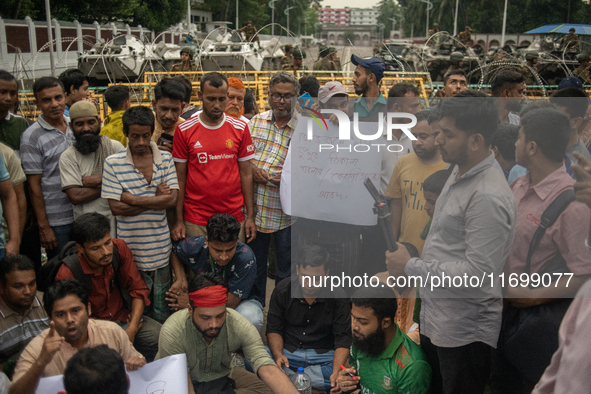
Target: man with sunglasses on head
{"x":271,"y":133}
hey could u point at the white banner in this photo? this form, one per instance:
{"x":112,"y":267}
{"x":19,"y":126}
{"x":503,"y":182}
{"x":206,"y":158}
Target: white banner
{"x":327,"y":184}
{"x":165,"y":376}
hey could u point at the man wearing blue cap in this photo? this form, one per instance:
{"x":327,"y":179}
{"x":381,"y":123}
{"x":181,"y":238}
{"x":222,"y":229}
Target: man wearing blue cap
{"x":368,"y":74}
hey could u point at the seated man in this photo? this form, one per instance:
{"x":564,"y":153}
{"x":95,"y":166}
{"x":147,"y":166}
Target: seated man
{"x":220,"y":252}
{"x":207,"y":332}
{"x":97,"y":370}
{"x":384,"y":359}
{"x":313,"y":329}
{"x":23,"y":316}
{"x":118,"y":293}
{"x":66,"y":303}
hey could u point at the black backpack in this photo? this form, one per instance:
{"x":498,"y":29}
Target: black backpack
{"x":69,"y":256}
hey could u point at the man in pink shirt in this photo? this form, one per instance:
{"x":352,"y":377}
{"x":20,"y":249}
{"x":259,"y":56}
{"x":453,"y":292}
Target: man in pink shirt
{"x":541,"y":146}
{"x":569,"y":370}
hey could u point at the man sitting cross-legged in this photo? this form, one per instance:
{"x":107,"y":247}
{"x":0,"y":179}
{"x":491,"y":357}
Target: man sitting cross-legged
{"x":313,"y":329}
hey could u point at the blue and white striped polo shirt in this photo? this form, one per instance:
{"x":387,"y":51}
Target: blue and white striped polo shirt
{"x":41,"y":148}
{"x":146,"y":234}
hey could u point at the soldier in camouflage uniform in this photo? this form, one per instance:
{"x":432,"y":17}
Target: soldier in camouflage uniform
{"x":466,"y":37}
{"x":325,"y":62}
{"x":186,"y":63}
{"x":298,"y":60}
{"x":433,"y":31}
{"x":531,"y":59}
{"x":250,"y":32}
{"x":571,"y":40}
{"x":335,"y":58}
{"x":287,"y":60}
{"x":582,"y":72}
{"x":457,"y":62}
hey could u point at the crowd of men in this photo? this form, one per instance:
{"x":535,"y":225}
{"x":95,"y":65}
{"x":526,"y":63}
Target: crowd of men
{"x":158,"y":224}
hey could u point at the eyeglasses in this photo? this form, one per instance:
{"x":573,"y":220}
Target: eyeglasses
{"x":277,"y":97}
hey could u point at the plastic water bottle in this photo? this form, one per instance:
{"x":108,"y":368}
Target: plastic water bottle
{"x":301,"y":381}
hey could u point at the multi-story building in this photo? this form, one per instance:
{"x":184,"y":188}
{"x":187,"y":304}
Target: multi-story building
{"x":348,"y":16}
{"x":364,"y":16}
{"x":334,"y":16}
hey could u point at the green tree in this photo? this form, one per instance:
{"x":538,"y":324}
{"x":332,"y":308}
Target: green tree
{"x":388,"y":9}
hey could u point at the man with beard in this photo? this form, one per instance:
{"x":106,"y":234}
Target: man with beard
{"x":212,"y":154}
{"x":454,"y":82}
{"x":383,"y":358}
{"x":140,"y":184}
{"x":471,"y":234}
{"x":408,"y":216}
{"x":41,"y":147}
{"x":366,"y":79}
{"x":509,"y":86}
{"x":207,"y":332}
{"x":168,"y":105}
{"x":81,"y":165}
{"x":117,"y":291}
{"x":66,"y":303}
{"x":271,"y":133}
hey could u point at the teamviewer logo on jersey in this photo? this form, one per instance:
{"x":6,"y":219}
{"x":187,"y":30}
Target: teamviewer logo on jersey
{"x":202,"y":157}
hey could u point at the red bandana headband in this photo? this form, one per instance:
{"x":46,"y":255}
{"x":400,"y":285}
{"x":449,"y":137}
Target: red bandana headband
{"x":209,"y":297}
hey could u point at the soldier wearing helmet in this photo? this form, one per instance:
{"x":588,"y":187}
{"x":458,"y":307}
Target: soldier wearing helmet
{"x":298,"y":60}
{"x":326,"y":62}
{"x":287,"y":60}
{"x":250,"y":33}
{"x":433,"y":31}
{"x":571,"y":40}
{"x":582,"y":72}
{"x":466,"y":37}
{"x":186,"y":63}
{"x":457,"y":62}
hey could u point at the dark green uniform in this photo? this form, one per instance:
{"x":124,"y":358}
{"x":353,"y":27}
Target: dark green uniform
{"x":250,"y":32}
{"x":191,"y":66}
{"x":466,"y":38}
{"x":325,"y":64}
{"x":571,"y":41}
{"x":402,"y":368}
{"x":286,"y":61}
{"x":583,"y":75}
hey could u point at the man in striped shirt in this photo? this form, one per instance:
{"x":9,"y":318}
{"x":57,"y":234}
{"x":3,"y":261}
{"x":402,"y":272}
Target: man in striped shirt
{"x":22,"y":316}
{"x":140,"y":184}
{"x":42,"y":144}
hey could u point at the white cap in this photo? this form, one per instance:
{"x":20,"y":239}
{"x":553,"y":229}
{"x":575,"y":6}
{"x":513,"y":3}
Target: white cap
{"x":331,"y":89}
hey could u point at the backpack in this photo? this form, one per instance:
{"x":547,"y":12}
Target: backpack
{"x":69,"y":256}
{"x":529,"y":336}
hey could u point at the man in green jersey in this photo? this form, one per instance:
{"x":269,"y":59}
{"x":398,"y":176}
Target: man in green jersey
{"x":383,"y":358}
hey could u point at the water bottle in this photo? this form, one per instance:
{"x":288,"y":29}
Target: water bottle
{"x":301,"y":381}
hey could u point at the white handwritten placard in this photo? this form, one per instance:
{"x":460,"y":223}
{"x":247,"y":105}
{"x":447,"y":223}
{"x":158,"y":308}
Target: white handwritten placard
{"x":165,"y":376}
{"x":323,"y":183}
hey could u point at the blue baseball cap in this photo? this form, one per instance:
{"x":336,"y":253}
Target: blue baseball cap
{"x":571,"y":82}
{"x":376,"y":66}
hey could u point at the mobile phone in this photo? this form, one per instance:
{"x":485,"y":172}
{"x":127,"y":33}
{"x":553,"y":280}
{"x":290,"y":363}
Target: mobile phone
{"x":305,"y":100}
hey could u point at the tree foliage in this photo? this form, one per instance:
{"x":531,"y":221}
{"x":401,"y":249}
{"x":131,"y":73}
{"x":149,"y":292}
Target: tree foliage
{"x":152,"y":14}
{"x":486,"y":16}
{"x":388,"y":10}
